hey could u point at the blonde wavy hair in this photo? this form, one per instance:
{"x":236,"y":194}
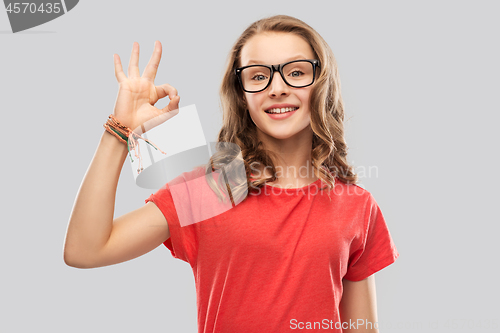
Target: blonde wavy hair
{"x":329,"y":149}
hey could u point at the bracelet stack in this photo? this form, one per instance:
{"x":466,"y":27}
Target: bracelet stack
{"x":129,"y":137}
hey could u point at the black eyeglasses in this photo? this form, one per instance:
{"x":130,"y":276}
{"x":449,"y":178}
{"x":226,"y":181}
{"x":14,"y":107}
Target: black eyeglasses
{"x":296,"y":74}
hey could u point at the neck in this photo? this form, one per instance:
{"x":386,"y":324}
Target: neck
{"x":293,"y":168}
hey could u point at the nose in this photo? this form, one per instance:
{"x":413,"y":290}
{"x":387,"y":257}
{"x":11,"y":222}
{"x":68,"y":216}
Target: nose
{"x":278,"y":87}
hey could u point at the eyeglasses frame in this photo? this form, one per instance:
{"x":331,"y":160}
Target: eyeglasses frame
{"x":277,"y":68}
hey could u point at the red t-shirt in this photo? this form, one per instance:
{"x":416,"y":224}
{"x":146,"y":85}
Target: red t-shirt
{"x":276,"y":259}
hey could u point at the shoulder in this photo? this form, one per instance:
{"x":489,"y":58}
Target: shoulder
{"x":195,"y":173}
{"x":343,"y":188}
{"x":351,"y":194}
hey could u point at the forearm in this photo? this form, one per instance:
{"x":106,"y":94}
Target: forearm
{"x":91,"y":219}
{"x":358,"y":307}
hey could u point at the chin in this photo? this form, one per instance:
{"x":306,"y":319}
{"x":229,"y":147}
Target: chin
{"x":280,"y":135}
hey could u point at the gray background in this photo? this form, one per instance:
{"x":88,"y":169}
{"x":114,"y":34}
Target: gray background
{"x":420,"y":82}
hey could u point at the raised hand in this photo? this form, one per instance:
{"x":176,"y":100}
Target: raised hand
{"x":137,"y":94}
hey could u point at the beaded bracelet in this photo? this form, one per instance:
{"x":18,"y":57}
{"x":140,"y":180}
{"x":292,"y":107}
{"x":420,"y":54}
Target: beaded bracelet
{"x":129,"y":137}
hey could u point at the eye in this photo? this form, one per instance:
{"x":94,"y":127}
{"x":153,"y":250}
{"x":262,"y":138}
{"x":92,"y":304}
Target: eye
{"x":259,"y":77}
{"x":296,"y":73}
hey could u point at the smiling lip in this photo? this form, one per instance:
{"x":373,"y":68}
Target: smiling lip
{"x":279,"y":116}
{"x":279,"y":106}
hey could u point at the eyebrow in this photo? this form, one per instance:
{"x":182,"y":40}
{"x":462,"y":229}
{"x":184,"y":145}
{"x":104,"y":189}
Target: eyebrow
{"x":258,"y":62}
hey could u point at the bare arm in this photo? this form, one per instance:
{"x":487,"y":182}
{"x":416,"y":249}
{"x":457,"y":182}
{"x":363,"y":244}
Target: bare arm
{"x":93,"y":238}
{"x":359,"y":305}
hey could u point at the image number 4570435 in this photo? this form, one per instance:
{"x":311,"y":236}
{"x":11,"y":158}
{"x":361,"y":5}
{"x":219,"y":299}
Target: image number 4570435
{"x":26,"y":15}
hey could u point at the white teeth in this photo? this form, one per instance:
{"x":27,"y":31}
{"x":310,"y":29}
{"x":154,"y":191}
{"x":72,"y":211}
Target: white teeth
{"x":281,"y":110}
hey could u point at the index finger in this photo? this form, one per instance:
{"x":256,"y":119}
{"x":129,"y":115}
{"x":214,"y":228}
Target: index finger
{"x":152,"y":66}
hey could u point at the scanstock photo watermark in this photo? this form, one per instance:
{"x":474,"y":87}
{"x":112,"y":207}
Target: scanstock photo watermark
{"x":450,"y":324}
{"x":327,"y":324}
{"x":29,"y":14}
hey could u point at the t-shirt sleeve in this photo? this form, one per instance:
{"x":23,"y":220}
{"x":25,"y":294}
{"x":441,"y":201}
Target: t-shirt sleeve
{"x":376,"y":249}
{"x":182,"y":241}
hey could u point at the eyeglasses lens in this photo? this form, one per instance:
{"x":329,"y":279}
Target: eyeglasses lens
{"x":297,"y":74}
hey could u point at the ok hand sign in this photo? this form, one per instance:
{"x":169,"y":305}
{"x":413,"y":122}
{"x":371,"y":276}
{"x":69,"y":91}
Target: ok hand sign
{"x":137,"y":95}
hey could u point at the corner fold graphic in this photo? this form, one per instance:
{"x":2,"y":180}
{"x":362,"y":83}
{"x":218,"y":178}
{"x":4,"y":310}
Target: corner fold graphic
{"x":26,"y":15}
{"x":70,"y":4}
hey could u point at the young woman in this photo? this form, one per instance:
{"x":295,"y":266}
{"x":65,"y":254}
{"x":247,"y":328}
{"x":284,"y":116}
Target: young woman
{"x":299,"y":253}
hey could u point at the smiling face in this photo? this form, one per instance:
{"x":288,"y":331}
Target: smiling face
{"x":272,"y":49}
